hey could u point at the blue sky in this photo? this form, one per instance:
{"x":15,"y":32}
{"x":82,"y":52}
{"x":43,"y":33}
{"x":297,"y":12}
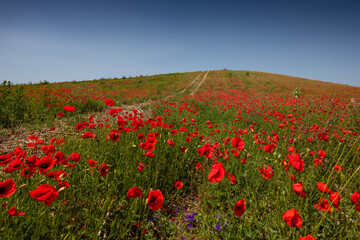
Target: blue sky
{"x":83,"y":40}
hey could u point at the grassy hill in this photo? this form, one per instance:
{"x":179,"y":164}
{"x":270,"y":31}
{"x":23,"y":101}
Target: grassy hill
{"x":201,"y":155}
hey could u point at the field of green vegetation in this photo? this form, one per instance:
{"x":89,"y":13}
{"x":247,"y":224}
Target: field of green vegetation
{"x":200,"y":155}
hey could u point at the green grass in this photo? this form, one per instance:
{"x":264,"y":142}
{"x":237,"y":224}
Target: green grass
{"x":97,"y":207}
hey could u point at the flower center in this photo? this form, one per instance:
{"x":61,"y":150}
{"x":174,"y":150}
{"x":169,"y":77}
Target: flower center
{"x":44,"y":165}
{"x":152,"y":200}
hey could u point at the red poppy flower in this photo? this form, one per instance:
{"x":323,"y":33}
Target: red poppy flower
{"x":355,"y":198}
{"x":69,"y":108}
{"x":308,"y":237}
{"x":7,"y":188}
{"x":109,"y":102}
{"x":296,"y":162}
{"x":88,"y":135}
{"x":149,"y":154}
{"x":13,"y":212}
{"x":33,"y":137}
{"x":113,"y":136}
{"x":60,"y":141}
{"x":266,"y":172}
{"x":27,"y":172}
{"x":238,"y":143}
{"x":141,"y":167}
{"x":323,"y":188}
{"x":291,"y":149}
{"x":74,"y":157}
{"x":79,"y":127}
{"x":44,"y":193}
{"x":103,"y":169}
{"x":151,"y":140}
{"x":317,"y":162}
{"x":206,"y":151}
{"x":217,"y":172}
{"x":60,"y":158}
{"x":155,"y":200}
{"x":92,"y":163}
{"x":45,"y":164}
{"x":5,"y":160}
{"x":335,"y":200}
{"x":235,"y":153}
{"x":292,"y":218}
{"x":182,"y":148}
{"x":49,"y":149}
{"x":56,"y":175}
{"x":321,"y":154}
{"x":170,"y":142}
{"x":239,"y":208}
{"x":198,"y":166}
{"x":178,"y":185}
{"x":150,"y":146}
{"x":268,"y":148}
{"x":134,"y":192}
{"x":60,"y":114}
{"x":231,"y":178}
{"x":323,"y":205}
{"x":298,"y":189}
{"x":337,"y":168}
{"x":141,"y":136}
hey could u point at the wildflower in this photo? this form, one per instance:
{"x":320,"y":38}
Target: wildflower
{"x":292,"y":218}
{"x":5,"y":159}
{"x":240,"y":208}
{"x":337,"y":168}
{"x":7,"y":188}
{"x":141,"y":167}
{"x":231,"y":178}
{"x":355,"y":199}
{"x":92,"y":163}
{"x":323,"y":188}
{"x":218,"y":226}
{"x":103,"y":169}
{"x":323,"y":205}
{"x":69,"y":108}
{"x":155,"y":199}
{"x":266,"y":172}
{"x":74,"y":157}
{"x":134,"y":192}
{"x":308,"y":237}
{"x":45,"y":164}
{"x":13,"y":212}
{"x":298,"y":189}
{"x":296,"y":162}
{"x":321,"y":154}
{"x":217,"y":172}
{"x":109,"y":102}
{"x":335,"y":199}
{"x":44,"y":193}
{"x":237,"y":143}
{"x":178,"y":185}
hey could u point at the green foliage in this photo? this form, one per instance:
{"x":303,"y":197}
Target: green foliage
{"x":14,"y":105}
{"x":97,"y":207}
{"x":45,"y":82}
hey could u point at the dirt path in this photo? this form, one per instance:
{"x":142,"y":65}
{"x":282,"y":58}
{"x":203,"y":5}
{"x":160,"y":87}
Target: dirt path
{"x":202,"y":81}
{"x":185,"y":88}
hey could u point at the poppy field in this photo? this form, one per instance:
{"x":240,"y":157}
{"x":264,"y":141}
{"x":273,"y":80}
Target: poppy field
{"x":201,"y":155}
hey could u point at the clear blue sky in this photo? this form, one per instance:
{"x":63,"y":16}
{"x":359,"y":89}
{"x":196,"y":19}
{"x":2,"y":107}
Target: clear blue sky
{"x":80,"y":40}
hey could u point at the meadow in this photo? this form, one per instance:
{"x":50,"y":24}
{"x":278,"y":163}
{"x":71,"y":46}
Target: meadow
{"x":200,"y":155}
